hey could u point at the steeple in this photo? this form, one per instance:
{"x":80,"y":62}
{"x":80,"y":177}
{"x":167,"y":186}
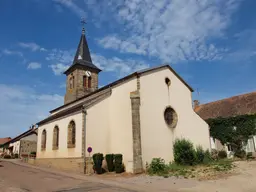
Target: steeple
{"x":82,"y":75}
{"x":83,"y":56}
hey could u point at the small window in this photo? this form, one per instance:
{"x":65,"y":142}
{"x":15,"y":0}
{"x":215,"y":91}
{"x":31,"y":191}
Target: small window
{"x":84,"y":81}
{"x":73,"y":83}
{"x":170,"y":117}
{"x":55,"y":142}
{"x":43,"y":140}
{"x":89,"y":82}
{"x":167,"y":81}
{"x":71,"y":134}
{"x":70,"y":83}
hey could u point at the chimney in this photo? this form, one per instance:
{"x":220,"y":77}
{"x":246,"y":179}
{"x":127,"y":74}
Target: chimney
{"x":196,"y":104}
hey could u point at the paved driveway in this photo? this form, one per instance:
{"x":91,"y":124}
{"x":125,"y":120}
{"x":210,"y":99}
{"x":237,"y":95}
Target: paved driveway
{"x":16,"y":178}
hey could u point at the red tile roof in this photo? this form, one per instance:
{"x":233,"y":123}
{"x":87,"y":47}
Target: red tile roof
{"x":233,"y":106}
{"x":4,"y":140}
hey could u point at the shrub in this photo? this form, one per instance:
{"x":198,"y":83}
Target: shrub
{"x":110,"y":162}
{"x":119,"y":168}
{"x":199,"y":155}
{"x":240,"y":153}
{"x":7,"y":156}
{"x":97,"y":159}
{"x":16,"y":155}
{"x":207,"y":157}
{"x":222,"y":154}
{"x":157,"y":166}
{"x":214,"y":154}
{"x":33,"y":153}
{"x":184,"y":152}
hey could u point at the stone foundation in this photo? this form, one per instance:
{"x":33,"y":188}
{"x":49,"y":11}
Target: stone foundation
{"x":65,"y":164}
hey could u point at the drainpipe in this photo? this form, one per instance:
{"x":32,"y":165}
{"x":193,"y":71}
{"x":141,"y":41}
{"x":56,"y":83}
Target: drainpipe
{"x":84,"y":137}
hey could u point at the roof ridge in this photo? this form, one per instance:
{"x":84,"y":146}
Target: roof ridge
{"x":227,"y":98}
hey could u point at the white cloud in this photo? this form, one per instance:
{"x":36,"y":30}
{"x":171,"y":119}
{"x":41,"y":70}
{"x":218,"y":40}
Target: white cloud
{"x":61,"y":60}
{"x":9,"y":52}
{"x":32,"y":46}
{"x":34,"y":65}
{"x":58,"y":68}
{"x":177,"y":30}
{"x":120,"y":66}
{"x":71,"y":5}
{"x":22,"y":106}
{"x":61,"y":56}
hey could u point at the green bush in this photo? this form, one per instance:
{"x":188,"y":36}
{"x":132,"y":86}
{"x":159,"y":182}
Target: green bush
{"x":222,"y":154}
{"x":16,"y":155}
{"x":97,"y":160}
{"x":184,"y":152}
{"x":110,"y":162}
{"x":207,"y":157}
{"x":119,"y":168}
{"x":200,"y":155}
{"x":240,"y":153}
{"x":157,"y":167}
{"x":33,"y":153}
{"x":7,"y":156}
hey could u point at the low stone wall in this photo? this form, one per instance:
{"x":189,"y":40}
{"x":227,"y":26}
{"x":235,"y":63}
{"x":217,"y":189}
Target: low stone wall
{"x":65,"y":164}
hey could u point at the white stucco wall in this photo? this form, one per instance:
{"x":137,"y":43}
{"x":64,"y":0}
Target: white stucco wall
{"x":109,"y":124}
{"x":157,"y":137}
{"x":97,"y":128}
{"x":16,"y":147}
{"x":63,"y":151}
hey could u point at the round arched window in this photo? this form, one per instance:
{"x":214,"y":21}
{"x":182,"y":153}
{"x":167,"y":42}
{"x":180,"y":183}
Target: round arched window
{"x":170,"y":117}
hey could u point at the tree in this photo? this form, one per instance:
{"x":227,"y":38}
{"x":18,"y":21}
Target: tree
{"x":233,"y":130}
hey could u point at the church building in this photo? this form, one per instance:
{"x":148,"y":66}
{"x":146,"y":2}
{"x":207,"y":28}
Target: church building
{"x":138,"y":116}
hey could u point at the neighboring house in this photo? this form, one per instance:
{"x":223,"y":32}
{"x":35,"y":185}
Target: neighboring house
{"x":24,"y":143}
{"x":139,"y":116}
{"x":233,"y":106}
{"x":2,"y":142}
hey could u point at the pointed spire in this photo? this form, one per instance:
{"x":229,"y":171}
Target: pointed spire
{"x":83,"y":56}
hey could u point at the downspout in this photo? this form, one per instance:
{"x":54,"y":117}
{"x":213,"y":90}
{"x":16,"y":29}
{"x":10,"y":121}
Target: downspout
{"x":84,"y":113}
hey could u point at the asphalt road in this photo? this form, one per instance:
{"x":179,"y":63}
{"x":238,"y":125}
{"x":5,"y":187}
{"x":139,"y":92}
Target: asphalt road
{"x":16,"y":178}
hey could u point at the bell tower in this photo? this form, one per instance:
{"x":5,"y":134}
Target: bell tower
{"x":82,"y":75}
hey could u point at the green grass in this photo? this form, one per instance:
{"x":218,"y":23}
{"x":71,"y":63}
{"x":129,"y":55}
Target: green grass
{"x":174,"y":169}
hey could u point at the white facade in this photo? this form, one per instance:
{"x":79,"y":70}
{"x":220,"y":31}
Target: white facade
{"x":108,"y":123}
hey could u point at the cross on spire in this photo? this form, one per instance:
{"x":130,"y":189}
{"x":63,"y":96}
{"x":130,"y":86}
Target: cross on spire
{"x":83,"y":22}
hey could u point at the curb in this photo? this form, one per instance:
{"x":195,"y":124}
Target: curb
{"x":83,"y":177}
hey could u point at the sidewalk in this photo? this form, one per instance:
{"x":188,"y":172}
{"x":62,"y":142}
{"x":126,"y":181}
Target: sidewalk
{"x":94,"y":179}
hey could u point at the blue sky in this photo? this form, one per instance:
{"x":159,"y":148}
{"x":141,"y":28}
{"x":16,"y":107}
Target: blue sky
{"x":210,"y":43}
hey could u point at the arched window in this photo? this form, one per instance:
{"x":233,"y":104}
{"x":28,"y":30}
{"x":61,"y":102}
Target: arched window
{"x":73,"y":83}
{"x":84,"y":81}
{"x":70,"y":83}
{"x":71,"y":134}
{"x":55,"y":142}
{"x":89,"y":82}
{"x":43,"y":140}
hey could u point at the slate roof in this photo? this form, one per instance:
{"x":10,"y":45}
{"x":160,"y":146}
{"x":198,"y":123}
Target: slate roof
{"x":233,"y":106}
{"x":83,"y":56}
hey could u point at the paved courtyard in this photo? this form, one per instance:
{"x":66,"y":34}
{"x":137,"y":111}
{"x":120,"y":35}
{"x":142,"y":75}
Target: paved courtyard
{"x":16,"y":178}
